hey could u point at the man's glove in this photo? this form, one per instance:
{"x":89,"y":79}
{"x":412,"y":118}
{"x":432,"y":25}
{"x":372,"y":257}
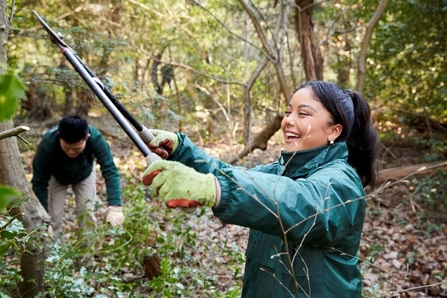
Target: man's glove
{"x":180,"y":186}
{"x":115,"y":215}
{"x":164,"y":143}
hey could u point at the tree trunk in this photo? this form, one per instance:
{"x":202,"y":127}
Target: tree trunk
{"x":247,"y":95}
{"x":31,"y":212}
{"x":310,"y":52}
{"x":37,"y":105}
{"x":312,"y":64}
{"x":344,"y":61}
{"x":366,"y":38}
{"x":273,"y":51}
{"x":4,"y":31}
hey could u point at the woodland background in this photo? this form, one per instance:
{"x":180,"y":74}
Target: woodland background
{"x":222,"y":72}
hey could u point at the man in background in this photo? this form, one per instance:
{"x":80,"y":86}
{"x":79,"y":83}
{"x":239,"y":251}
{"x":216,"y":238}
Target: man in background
{"x":65,"y":156}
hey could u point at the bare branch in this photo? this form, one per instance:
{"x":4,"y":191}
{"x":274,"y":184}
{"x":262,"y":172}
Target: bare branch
{"x":184,"y":66}
{"x":13,"y":132}
{"x":231,"y":32}
{"x":271,"y":54}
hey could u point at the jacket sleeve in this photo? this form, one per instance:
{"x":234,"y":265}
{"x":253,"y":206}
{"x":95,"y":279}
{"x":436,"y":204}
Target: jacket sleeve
{"x":320,"y":209}
{"x":109,"y":170}
{"x":42,"y":167}
{"x":193,"y":156}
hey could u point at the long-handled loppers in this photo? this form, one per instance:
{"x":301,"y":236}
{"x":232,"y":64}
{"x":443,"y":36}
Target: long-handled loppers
{"x":139,"y":134}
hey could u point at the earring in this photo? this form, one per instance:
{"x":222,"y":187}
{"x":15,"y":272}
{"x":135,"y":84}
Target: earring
{"x":331,"y":142}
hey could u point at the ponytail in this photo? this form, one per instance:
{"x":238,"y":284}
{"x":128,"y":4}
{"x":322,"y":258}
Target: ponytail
{"x":363,"y":142}
{"x":351,"y":110}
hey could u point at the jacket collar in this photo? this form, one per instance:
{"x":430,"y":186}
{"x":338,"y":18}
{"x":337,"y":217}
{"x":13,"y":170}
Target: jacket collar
{"x":300,"y":163}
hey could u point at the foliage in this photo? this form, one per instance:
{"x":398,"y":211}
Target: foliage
{"x":7,"y":195}
{"x":124,"y":57}
{"x":406,"y":72}
{"x":108,"y":262}
{"x":340,"y":28}
{"x":431,"y":192}
{"x":12,"y":89}
{"x":213,"y":49}
{"x":403,"y":239}
{"x":13,"y":239}
{"x":12,"y":232}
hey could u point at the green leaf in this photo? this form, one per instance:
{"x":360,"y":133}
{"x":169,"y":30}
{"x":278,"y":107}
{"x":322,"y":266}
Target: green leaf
{"x":6,"y":235}
{"x":17,"y":203}
{"x":11,"y":89}
{"x":5,"y":246}
{"x":7,"y":195}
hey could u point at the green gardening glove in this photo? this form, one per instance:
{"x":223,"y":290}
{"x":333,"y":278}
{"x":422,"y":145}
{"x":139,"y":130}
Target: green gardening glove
{"x":164,"y":143}
{"x":180,"y":186}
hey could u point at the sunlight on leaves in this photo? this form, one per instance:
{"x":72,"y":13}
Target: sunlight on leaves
{"x":11,"y":89}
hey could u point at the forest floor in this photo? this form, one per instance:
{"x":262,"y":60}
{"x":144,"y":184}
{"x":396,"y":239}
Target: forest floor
{"x":403,"y":251}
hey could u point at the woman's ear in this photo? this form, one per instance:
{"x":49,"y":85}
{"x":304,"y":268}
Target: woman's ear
{"x":334,"y":132}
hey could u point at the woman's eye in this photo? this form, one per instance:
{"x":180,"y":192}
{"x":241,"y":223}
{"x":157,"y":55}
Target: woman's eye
{"x":287,"y":112}
{"x":303,"y":114}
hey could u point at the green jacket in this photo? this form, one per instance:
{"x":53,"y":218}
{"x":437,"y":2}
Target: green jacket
{"x":317,"y":200}
{"x":50,"y":160}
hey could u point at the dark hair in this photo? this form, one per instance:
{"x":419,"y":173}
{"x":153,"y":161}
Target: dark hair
{"x":72,"y":129}
{"x":350,"y":109}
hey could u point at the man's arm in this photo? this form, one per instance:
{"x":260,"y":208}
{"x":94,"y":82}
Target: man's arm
{"x":104,"y":157}
{"x":42,"y":167}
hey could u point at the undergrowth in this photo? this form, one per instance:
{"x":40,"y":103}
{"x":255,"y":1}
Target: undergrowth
{"x":109,"y":262}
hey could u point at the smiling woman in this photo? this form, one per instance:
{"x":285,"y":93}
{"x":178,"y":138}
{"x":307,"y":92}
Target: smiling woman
{"x":307,"y":123}
{"x":305,"y":211}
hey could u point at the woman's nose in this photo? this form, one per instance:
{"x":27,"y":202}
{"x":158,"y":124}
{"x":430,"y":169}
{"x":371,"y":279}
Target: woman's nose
{"x":289,"y":121}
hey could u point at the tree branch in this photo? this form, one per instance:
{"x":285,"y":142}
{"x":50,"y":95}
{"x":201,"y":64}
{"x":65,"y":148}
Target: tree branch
{"x":271,"y":54}
{"x":13,"y":132}
{"x":362,"y":55}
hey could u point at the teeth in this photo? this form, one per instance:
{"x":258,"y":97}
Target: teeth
{"x":292,"y":135}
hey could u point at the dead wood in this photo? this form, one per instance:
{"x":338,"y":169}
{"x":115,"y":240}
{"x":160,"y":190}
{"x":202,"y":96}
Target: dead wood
{"x":408,"y":171}
{"x":13,"y":132}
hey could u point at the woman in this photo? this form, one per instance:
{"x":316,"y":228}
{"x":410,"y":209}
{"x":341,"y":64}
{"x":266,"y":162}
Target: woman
{"x":305,"y":212}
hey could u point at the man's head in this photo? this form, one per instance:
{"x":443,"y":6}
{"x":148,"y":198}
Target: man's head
{"x":73,"y":134}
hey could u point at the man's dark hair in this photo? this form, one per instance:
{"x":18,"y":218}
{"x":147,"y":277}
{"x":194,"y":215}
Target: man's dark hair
{"x":72,"y":129}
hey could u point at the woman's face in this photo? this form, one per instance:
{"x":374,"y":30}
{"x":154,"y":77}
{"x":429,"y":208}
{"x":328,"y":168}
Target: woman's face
{"x":306,"y":124}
